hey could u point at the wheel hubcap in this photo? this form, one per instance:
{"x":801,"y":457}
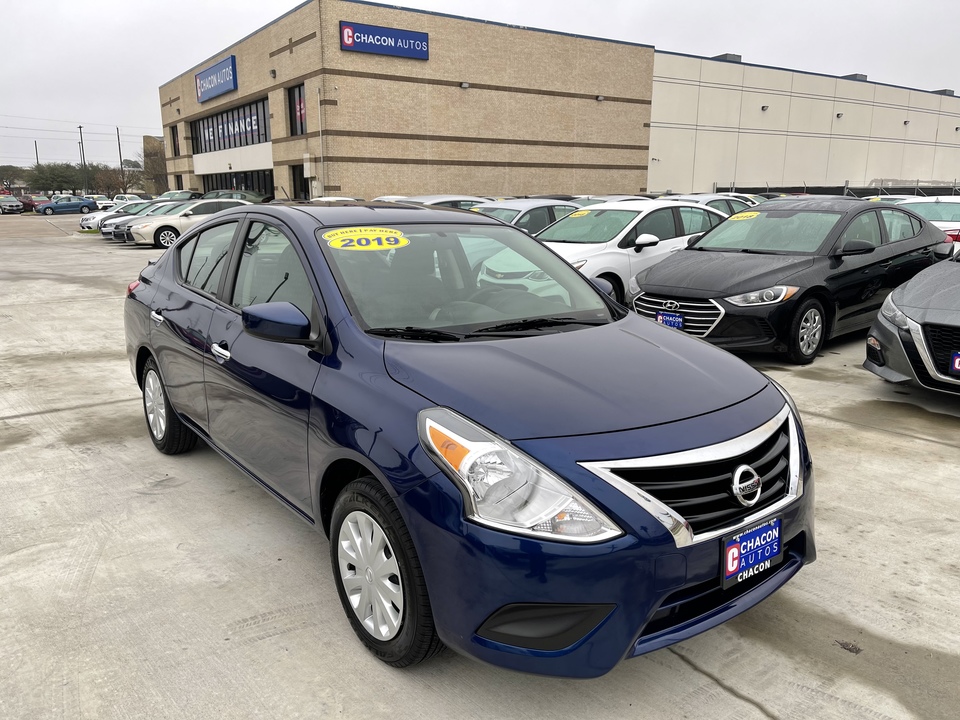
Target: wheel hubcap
{"x":370,"y":575}
{"x":811,"y":328}
{"x":167,"y":238}
{"x":154,"y":405}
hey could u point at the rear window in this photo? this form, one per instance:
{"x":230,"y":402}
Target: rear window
{"x":936,"y":211}
{"x":505,"y":214}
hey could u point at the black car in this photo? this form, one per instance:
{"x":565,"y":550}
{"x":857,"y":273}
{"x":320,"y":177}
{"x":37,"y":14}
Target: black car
{"x":787,"y":275}
{"x":916,"y":337}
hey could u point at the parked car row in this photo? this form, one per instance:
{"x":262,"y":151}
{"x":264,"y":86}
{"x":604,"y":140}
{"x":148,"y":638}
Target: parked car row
{"x":156,"y":222}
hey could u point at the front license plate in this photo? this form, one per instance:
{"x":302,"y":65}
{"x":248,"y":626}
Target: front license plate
{"x":674,"y":320}
{"x":751,"y":552}
{"x":955,"y":364}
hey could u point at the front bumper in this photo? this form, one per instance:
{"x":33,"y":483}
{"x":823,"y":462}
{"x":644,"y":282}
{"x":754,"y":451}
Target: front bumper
{"x":573,"y":610}
{"x":905,"y":357}
{"x":138,"y":237}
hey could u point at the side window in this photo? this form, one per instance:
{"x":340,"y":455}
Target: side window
{"x":695,"y":220}
{"x":659,"y":223}
{"x":899,"y":225}
{"x":202,"y":259}
{"x":864,"y":227}
{"x":205,"y":208}
{"x":560,"y":211}
{"x":465,"y":204}
{"x":226,"y":204}
{"x":271,"y":271}
{"x":714,"y":219}
{"x":720,"y":205}
{"x":737,"y":206}
{"x":534,"y":220}
{"x":917,"y":225}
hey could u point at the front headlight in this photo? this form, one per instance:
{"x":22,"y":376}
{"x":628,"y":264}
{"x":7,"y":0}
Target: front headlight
{"x":892,"y":313}
{"x":139,"y":226}
{"x":767,"y":296}
{"x":504,"y":488}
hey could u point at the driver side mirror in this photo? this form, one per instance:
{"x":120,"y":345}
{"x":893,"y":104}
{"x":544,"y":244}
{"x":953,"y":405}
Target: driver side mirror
{"x":645,"y":240}
{"x":188,"y":213}
{"x":604,"y":286}
{"x":693,"y":239}
{"x":857,"y":247}
{"x":277,"y":322}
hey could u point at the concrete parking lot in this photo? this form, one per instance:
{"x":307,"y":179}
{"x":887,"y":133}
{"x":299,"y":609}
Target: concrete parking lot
{"x":137,"y":585}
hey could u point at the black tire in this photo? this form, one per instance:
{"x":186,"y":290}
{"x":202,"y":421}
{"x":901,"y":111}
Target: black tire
{"x":165,"y":237}
{"x":808,"y":332}
{"x":169,"y":434}
{"x":48,"y":211}
{"x":617,"y":287}
{"x":415,"y":639}
{"x":84,"y":209}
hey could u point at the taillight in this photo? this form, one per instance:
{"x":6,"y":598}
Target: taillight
{"x":132,"y":286}
{"x":952,"y":235}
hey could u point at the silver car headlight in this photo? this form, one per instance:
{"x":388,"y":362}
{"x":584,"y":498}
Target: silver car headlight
{"x":504,"y":488}
{"x":892,"y":313}
{"x":767,"y":296}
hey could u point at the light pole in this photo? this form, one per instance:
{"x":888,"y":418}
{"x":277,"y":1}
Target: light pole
{"x":83,"y":160}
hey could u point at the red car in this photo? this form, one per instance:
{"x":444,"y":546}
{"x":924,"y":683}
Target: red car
{"x":30,"y":202}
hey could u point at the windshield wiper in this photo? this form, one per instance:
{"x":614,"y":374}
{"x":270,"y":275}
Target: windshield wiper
{"x":536,"y":324}
{"x":416,"y":333}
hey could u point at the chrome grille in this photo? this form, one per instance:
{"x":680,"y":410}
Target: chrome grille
{"x":699,"y":316}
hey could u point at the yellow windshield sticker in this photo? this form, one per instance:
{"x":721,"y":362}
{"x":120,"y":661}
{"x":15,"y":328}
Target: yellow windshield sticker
{"x":475,"y":209}
{"x":743,"y":216}
{"x":365,"y":238}
{"x":579,"y":213}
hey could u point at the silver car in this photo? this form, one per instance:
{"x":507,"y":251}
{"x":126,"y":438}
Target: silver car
{"x":528,"y":214}
{"x":9,"y":204}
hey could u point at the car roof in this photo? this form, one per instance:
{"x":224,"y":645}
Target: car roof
{"x":523,"y":203}
{"x":813,"y":204}
{"x":441,"y":198}
{"x":368,"y":213}
{"x":645,"y":205}
{"x":944,"y":198}
{"x":698,"y":197}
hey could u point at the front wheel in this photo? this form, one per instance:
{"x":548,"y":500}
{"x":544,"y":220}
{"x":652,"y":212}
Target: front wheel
{"x":165,"y":237}
{"x":169,"y":434}
{"x":807,"y":332}
{"x":48,"y":211}
{"x":378,"y":576}
{"x":84,"y":209}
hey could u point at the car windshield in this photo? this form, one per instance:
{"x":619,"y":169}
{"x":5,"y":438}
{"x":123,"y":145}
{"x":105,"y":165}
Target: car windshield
{"x":588,"y":226}
{"x":505,"y":214}
{"x":936,"y":211}
{"x":458,"y":281}
{"x":771,"y":231}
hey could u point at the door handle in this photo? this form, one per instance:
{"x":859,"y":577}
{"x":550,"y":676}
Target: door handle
{"x":220,"y":352}
{"x":886,"y":264}
{"x":156,"y":317}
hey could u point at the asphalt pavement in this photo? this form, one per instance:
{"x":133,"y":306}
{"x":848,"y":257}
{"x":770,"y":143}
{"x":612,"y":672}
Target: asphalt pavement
{"x":137,"y":585}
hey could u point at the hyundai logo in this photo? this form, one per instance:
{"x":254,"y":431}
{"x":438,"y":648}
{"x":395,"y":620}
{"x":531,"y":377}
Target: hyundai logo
{"x":671,"y":305}
{"x":746,"y":485}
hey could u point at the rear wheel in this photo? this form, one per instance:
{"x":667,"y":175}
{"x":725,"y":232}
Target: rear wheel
{"x":84,"y":209}
{"x":165,"y":237}
{"x":169,"y":434}
{"x":378,"y":576}
{"x":807,"y":332}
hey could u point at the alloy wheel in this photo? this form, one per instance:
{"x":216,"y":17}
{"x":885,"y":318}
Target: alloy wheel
{"x":155,"y":404}
{"x":811,"y":328}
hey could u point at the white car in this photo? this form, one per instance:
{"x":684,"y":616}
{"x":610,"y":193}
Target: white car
{"x":102,"y":201}
{"x":462,"y":202}
{"x":92,"y":221}
{"x":126,"y":198}
{"x":943,"y":212}
{"x":163,"y":229}
{"x":335,"y":198}
{"x":615,"y":241}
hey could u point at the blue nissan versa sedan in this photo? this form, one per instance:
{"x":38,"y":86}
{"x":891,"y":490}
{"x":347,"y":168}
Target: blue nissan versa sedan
{"x":545,"y":482}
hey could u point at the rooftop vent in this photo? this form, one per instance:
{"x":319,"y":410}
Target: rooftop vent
{"x":945,"y":91}
{"x":855,"y":76}
{"x":728,"y":57}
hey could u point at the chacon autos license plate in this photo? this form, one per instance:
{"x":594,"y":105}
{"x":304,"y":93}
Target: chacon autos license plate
{"x":751,"y":552}
{"x":674,"y":320}
{"x":955,"y":364}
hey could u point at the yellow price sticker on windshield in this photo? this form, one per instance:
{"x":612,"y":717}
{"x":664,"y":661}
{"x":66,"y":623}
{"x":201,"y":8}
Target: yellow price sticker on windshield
{"x":579,"y":213}
{"x":475,"y":209}
{"x":365,"y":238}
{"x":743,"y":216}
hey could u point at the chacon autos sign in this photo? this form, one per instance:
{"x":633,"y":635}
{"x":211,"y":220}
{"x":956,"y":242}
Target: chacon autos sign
{"x":217,"y":79}
{"x":355,"y":37}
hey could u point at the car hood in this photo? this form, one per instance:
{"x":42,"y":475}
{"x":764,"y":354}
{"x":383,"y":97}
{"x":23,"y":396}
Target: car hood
{"x":931,"y":295}
{"x":721,"y":273}
{"x":625,"y":375}
{"x":571,"y":252}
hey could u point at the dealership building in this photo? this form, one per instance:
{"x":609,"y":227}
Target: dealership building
{"x":345,"y":97}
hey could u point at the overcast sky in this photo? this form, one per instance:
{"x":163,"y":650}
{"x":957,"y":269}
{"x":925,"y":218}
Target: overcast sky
{"x":99,"y":63}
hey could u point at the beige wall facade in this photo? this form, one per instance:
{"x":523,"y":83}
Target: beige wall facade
{"x":529,"y":121}
{"x":716,"y":122}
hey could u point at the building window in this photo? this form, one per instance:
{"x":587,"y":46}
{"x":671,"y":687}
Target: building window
{"x":300,"y":190}
{"x":178,"y":182}
{"x":298,"y":110}
{"x":175,"y":138}
{"x":259,"y":181}
{"x":239,"y":127}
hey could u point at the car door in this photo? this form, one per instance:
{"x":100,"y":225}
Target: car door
{"x":857,"y":282}
{"x":181,"y":311}
{"x":533,"y":220}
{"x":661,"y":223}
{"x":197,"y":213}
{"x":258,"y":392}
{"x":911,"y":252}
